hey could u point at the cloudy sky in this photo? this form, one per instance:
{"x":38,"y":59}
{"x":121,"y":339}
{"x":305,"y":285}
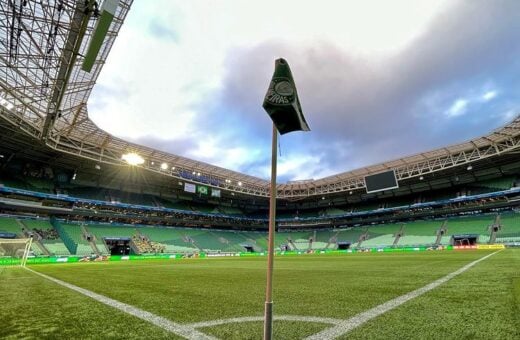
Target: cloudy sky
{"x":377,"y":80}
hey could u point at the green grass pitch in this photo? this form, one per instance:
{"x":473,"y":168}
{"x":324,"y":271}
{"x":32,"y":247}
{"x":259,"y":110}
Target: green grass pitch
{"x":481,"y":303}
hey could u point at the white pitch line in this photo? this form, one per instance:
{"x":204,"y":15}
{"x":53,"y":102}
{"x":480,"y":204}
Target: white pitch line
{"x":347,"y":325}
{"x":182,"y":330}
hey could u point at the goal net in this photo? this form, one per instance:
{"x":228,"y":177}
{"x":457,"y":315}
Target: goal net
{"x":17,"y":248}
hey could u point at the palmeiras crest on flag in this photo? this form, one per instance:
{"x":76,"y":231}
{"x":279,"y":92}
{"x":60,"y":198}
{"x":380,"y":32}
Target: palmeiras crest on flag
{"x":281,"y":101}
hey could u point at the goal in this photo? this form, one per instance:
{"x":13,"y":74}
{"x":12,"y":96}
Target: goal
{"x":15,"y":248}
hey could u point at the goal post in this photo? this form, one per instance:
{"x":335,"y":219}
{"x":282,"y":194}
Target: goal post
{"x":16,"y":248}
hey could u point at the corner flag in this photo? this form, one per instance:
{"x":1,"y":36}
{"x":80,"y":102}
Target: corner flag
{"x":281,"y":101}
{"x":283,"y":106}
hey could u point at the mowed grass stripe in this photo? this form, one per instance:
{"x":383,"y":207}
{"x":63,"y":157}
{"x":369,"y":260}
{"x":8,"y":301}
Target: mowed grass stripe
{"x":32,"y":307}
{"x":196,"y":290}
{"x":188,"y":332}
{"x":372,"y":313}
{"x":209,"y":289}
{"x":516,"y":298}
{"x":478,"y":304}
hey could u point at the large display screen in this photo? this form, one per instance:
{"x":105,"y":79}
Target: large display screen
{"x":382,"y":181}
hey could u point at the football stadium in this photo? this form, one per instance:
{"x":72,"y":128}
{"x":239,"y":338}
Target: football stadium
{"x":104,"y":237}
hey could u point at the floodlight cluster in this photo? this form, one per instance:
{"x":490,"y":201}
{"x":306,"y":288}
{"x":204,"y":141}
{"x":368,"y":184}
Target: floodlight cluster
{"x":132,"y":158}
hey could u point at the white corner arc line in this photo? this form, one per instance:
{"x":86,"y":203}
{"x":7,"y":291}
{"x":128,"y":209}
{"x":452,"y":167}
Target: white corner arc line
{"x":182,"y":330}
{"x":347,"y":325}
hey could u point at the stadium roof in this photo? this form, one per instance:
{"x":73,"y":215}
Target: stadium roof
{"x":44,"y":92}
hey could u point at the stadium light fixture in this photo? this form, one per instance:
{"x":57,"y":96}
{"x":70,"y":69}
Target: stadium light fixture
{"x":421,"y":178}
{"x":97,"y":166}
{"x":132,"y":158}
{"x":164,"y":166}
{"x":470,"y":167}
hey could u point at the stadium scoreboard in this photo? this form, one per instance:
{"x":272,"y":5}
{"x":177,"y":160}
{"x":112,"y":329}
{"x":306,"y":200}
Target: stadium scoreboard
{"x":381,"y":181}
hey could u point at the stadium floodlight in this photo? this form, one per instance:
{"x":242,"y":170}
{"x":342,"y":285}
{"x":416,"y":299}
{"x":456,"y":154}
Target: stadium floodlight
{"x":132,"y":158}
{"x":470,"y":167}
{"x":164,"y":166}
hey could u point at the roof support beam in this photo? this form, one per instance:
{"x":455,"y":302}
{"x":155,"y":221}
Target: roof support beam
{"x":77,"y":31}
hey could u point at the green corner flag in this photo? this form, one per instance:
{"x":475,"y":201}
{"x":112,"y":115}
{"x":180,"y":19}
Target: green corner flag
{"x":281,"y":101}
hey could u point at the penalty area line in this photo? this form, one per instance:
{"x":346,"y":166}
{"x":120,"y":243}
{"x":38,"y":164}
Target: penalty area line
{"x":170,"y":326}
{"x":361,"y":318}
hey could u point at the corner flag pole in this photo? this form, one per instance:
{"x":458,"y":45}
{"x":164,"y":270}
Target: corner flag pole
{"x":268,"y":314}
{"x":283,"y":106}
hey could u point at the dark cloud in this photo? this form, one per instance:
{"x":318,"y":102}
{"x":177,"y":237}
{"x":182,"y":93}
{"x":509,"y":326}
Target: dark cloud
{"x":363,"y":111}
